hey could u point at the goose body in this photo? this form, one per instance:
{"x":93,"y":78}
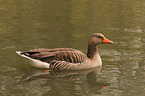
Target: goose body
{"x":67,"y":58}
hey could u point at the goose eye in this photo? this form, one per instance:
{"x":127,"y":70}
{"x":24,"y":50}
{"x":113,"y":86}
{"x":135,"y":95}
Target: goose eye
{"x":99,"y":37}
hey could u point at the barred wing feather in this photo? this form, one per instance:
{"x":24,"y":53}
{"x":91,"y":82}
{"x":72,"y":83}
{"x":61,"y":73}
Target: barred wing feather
{"x":59,"y":54}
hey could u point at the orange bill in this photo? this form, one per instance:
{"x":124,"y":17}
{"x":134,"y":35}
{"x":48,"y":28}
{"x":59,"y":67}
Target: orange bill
{"x":106,"y":41}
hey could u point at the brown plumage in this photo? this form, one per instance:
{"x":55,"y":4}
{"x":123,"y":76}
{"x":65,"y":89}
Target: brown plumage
{"x":68,"y":58}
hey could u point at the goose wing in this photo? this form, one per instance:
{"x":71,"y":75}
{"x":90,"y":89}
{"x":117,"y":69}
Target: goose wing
{"x":60,"y":54}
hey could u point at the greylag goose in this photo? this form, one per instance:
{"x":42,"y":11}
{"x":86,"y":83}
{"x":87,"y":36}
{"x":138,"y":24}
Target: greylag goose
{"x":67,"y":58}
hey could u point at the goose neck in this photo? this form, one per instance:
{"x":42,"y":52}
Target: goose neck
{"x":92,"y":50}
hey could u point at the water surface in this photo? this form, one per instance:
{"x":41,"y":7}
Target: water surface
{"x":30,"y":24}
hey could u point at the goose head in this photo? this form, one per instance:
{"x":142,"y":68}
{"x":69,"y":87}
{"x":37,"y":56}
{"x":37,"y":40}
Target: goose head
{"x":98,"y":38}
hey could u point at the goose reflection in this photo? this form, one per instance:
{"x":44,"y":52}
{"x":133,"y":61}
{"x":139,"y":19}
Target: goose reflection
{"x":69,"y":82}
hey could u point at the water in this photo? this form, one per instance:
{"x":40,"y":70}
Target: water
{"x":29,"y":24}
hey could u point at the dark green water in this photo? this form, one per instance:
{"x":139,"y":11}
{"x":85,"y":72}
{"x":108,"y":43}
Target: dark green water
{"x":30,"y":24}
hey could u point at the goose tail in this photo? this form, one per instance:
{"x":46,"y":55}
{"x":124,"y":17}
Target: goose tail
{"x":36,"y":62}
